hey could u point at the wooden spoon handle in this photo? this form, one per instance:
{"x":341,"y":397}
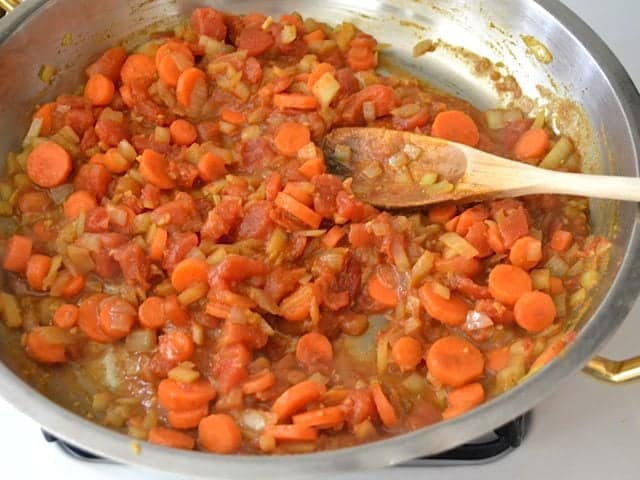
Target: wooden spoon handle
{"x":595,"y":186}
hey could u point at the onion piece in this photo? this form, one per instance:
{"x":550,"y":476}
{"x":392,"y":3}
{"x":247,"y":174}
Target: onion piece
{"x":441,"y":290}
{"x":477,"y":321}
{"x":326,"y":89}
{"x":10,"y":310}
{"x":459,"y":245}
{"x":421,"y":268}
{"x":369,"y":111}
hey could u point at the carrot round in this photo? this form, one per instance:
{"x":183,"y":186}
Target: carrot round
{"x":77,"y":203}
{"x":406,"y":352}
{"x":88,"y":318}
{"x":158,"y":244}
{"x":291,"y":137}
{"x":138,"y":68}
{"x":150,"y":312}
{"x":299,"y":433}
{"x":49,"y":165}
{"x":498,"y":359}
{"x":450,"y":311}
{"x":171,"y":60}
{"x":117,"y":317}
{"x":211,"y":167}
{"x":99,"y":90}
{"x":385,"y":410}
{"x":379,"y":290}
{"x":561,"y":240}
{"x":181,"y":397}
{"x":463,"y":399}
{"x":296,"y":397}
{"x":176,"y":346}
{"x":191,"y":81}
{"x":508,"y":283}
{"x":16,"y":256}
{"x":534,"y":311}
{"x":182,"y":132}
{"x":219,"y":433}
{"x":188,"y":272}
{"x":526,"y":252}
{"x":72,"y":284}
{"x":532,"y":145}
{"x":37,"y":269}
{"x":321,"y":418}
{"x":154,"y":167}
{"x":44,"y":352}
{"x":187,"y":418}
{"x":45,"y":113}
{"x":442,"y":213}
{"x":66,"y":316}
{"x":258,"y":383}
{"x":297,"y":101}
{"x":170,"y":438}
{"x":314,"y":348}
{"x":454,"y":361}
{"x":456,"y":126}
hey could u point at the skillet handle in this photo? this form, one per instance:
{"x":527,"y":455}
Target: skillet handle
{"x":613,"y":371}
{"x":8,"y":5}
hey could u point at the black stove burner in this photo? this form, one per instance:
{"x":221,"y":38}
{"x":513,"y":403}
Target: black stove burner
{"x":486,"y":449}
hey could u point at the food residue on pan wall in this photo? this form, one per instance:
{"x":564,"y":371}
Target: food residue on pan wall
{"x":536,"y":48}
{"x":67,"y":40}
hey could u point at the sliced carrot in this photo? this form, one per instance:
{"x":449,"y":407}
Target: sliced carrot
{"x":17,"y":253}
{"x":291,"y":137}
{"x":174,"y":312}
{"x":114,"y":161}
{"x":532,"y":145}
{"x":79,"y":202}
{"x":314,"y":166}
{"x":232,"y":116}
{"x":49,"y":165}
{"x":183,"y":132}
{"x":189,"y":272}
{"x":535,"y":311}
{"x":43,"y":351}
{"x":192,"y":82}
{"x":463,"y":399}
{"x":295,"y":398}
{"x":552,"y":351}
{"x":88,"y":319}
{"x":297,"y":101}
{"x":99,"y":90}
{"x":171,"y":60}
{"x":442,"y":213}
{"x":187,"y":418}
{"x":117,"y":317}
{"x":109,"y":64}
{"x":333,"y":236}
{"x":467,"y":267}
{"x":66,"y":316}
{"x":498,"y":359}
{"x":298,"y":210}
{"x":37,"y":269}
{"x":291,"y":432}
{"x":380,"y":290}
{"x":297,"y":306}
{"x":315,"y":36}
{"x":556,"y":285}
{"x":407,"y":353}
{"x":45,"y":113}
{"x":176,"y":346}
{"x":321,"y":418}
{"x":170,"y":438}
{"x":301,"y":191}
{"x":259,"y":382}
{"x":526,"y":252}
{"x":71,"y":285}
{"x":138,"y":68}
{"x":154,"y":168}
{"x":314,"y":348}
{"x":450,"y":311}
{"x":211,"y":167}
{"x":181,"y":397}
{"x":561,"y":240}
{"x":151,"y":312}
{"x":494,"y":238}
{"x":456,"y":126}
{"x":158,"y":244}
{"x":218,"y":310}
{"x":455,"y":361}
{"x":219,"y":433}
{"x":385,"y":410}
{"x":508,"y":283}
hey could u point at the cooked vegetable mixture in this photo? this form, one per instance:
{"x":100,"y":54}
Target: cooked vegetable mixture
{"x":174,"y":239}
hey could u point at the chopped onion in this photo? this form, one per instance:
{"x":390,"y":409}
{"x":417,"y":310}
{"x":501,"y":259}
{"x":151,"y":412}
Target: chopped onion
{"x":557,"y":266}
{"x":10,"y":310}
{"x":326,"y":89}
{"x":441,"y":290}
{"x":406,"y":111}
{"x":442,"y":186}
{"x":193,"y":293}
{"x":117,"y":215}
{"x":81,"y":259}
{"x":399,"y":254}
{"x":380,"y":229}
{"x":415,"y":383}
{"x":250,"y":133}
{"x":513,"y":115}
{"x":342,"y":153}
{"x":101,"y":401}
{"x":589,"y":279}
{"x":60,"y":194}
{"x":197,"y":333}
{"x":421,"y":268}
{"x":477,"y":321}
{"x":398,"y":160}
{"x":560,"y":151}
{"x":313,"y":233}
{"x":184,"y":373}
{"x":33,"y":132}
{"x":541,"y":279}
{"x":111,"y":115}
{"x":412,"y":151}
{"x":127,"y":151}
{"x":308,"y":151}
{"x":495,"y":119}
{"x":428,"y":179}
{"x":372,"y":170}
{"x":560,"y":301}
{"x":226,"y":127}
{"x":459,"y":245}
{"x":267,"y":23}
{"x":162,"y":135}
{"x":577,"y":298}
{"x":142,"y":340}
{"x":369,"y":111}
{"x":422,"y":47}
{"x":576,"y":269}
{"x":56,"y":263}
{"x":382,"y":353}
{"x":256,"y":420}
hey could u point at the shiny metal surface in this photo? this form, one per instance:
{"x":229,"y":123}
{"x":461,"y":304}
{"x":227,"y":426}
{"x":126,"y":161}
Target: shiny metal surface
{"x":583,"y":68}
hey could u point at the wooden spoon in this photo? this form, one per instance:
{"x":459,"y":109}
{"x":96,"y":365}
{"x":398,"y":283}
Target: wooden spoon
{"x":395,"y":169}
